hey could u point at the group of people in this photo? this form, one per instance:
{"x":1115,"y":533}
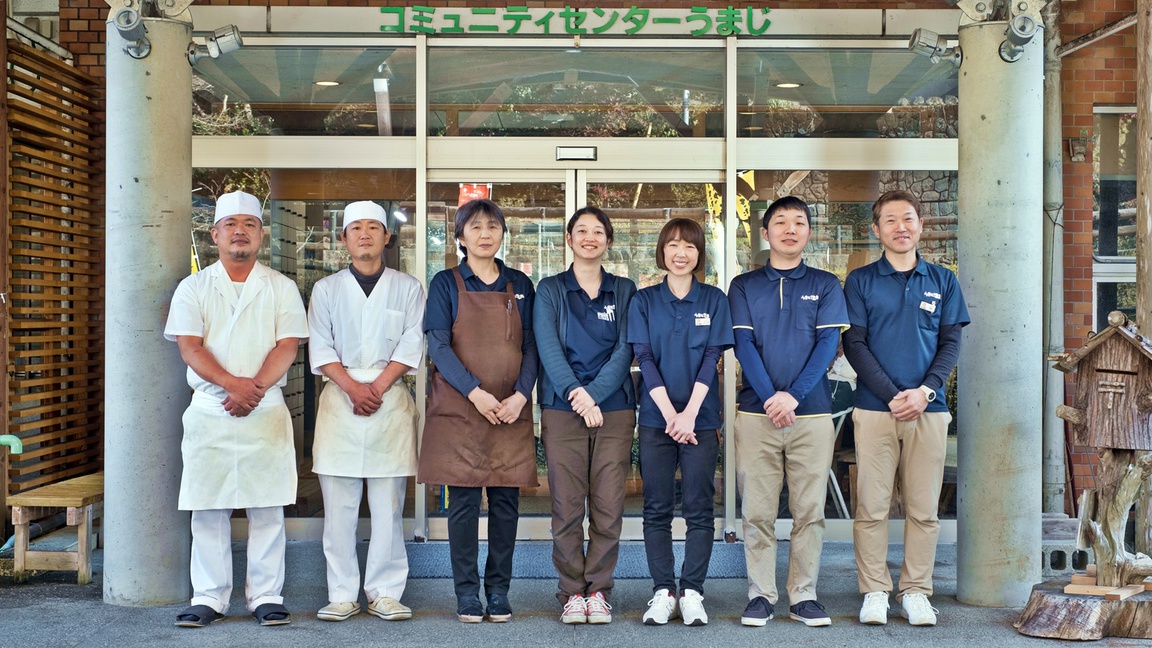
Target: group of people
{"x":494,"y":339}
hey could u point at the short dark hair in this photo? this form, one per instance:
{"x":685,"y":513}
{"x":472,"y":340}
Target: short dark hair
{"x":787,"y":202}
{"x":893,"y":196}
{"x":473,"y":208}
{"x":684,"y":229}
{"x":600,"y":216}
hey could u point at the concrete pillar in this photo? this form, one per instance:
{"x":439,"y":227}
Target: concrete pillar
{"x":149,"y":183}
{"x":1000,"y":379}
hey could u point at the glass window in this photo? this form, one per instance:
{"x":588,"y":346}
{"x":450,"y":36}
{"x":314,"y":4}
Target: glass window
{"x":1114,"y":185}
{"x":576,"y":92}
{"x":306,"y":91}
{"x":844,"y":93}
{"x":1114,"y":295}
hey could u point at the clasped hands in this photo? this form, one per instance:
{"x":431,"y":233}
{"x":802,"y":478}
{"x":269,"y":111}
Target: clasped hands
{"x":497,"y":411}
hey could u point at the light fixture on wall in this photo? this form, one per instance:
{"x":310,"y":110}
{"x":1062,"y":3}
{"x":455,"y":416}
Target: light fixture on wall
{"x":1078,"y":147}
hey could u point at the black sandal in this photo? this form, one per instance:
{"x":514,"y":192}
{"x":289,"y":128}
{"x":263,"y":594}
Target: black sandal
{"x":197,"y":616}
{"x":271,"y":614}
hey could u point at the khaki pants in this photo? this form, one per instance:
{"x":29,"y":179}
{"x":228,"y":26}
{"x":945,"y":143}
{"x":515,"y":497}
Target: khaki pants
{"x":918,"y":449}
{"x":764,"y":455}
{"x":587,"y":470}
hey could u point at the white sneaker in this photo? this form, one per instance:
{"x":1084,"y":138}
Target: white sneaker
{"x":661,"y":608}
{"x":916,"y":608}
{"x":338,"y":611}
{"x":692,"y":608}
{"x":575,"y":611}
{"x":598,"y":609}
{"x":875,"y":609}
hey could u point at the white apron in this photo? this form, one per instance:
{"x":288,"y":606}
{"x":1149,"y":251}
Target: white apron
{"x":381,"y":445}
{"x":237,"y":462}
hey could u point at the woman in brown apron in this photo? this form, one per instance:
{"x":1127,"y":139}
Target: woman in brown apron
{"x":478,"y":432}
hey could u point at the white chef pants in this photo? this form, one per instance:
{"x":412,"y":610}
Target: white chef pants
{"x":212,"y":557}
{"x":386,"y":571}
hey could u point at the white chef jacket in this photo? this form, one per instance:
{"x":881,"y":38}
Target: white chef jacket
{"x":365,"y":333}
{"x":237,"y":462}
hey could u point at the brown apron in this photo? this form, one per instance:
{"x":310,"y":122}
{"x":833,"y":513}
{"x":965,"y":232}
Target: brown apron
{"x":460,"y":447}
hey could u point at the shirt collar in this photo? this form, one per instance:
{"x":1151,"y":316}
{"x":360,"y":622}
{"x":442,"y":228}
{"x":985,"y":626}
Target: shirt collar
{"x":886,"y":268}
{"x":607,"y":281}
{"x":466,"y":273}
{"x":794,"y":273}
{"x":666,"y":292}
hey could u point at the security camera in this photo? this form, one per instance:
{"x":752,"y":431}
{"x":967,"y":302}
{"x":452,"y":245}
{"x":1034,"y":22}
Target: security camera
{"x":930,"y":44}
{"x":131,"y":28}
{"x":927,"y":43}
{"x":222,"y":41}
{"x":1020,"y":31}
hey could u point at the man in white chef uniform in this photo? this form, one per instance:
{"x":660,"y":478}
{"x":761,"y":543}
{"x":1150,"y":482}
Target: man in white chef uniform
{"x":238,"y":325}
{"x":366,"y":327}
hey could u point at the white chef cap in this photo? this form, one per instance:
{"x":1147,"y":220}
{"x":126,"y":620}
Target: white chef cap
{"x":237,"y":203}
{"x":362,"y":210}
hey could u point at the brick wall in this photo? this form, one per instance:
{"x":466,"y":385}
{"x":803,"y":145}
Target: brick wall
{"x":1101,"y":74}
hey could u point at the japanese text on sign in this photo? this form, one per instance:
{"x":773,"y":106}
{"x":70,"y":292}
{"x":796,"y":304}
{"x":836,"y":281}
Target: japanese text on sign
{"x":570,"y":21}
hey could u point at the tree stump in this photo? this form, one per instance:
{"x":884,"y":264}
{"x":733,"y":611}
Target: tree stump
{"x":1053,"y":614}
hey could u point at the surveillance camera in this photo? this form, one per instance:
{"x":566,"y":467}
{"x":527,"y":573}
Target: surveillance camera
{"x":129,"y":24}
{"x":224,"y":41}
{"x":1020,"y":31}
{"x":927,"y":43}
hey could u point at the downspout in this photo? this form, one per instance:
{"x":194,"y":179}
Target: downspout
{"x":13,"y":443}
{"x":1053,"y":467}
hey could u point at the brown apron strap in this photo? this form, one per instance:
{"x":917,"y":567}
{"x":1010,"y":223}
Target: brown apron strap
{"x":459,"y":279}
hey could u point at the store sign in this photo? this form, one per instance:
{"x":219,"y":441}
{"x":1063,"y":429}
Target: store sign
{"x":572,"y":21}
{"x":474,"y":192}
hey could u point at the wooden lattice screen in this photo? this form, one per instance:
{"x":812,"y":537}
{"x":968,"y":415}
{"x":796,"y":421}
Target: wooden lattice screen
{"x":54,"y":274}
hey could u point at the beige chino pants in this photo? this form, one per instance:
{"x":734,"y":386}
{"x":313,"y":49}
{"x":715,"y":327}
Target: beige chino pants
{"x":918,"y":449}
{"x":765,"y":455}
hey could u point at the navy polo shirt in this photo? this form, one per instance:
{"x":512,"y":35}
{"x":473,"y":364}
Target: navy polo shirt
{"x":784,"y":313}
{"x":591,"y":338}
{"x":903,"y":318}
{"x":678,"y":330}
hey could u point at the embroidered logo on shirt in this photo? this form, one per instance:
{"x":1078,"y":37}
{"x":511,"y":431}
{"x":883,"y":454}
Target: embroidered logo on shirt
{"x":703,"y":319}
{"x":609,"y":314}
{"x":519,"y":296}
{"x":810,"y":297}
{"x":928,"y":306}
{"x":932,"y":294}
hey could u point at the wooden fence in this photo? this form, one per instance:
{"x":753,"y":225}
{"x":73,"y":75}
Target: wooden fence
{"x":53,"y":274}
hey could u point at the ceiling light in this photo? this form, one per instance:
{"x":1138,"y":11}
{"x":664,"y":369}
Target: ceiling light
{"x":327,"y":84}
{"x":400,"y":216}
{"x":788,"y":85}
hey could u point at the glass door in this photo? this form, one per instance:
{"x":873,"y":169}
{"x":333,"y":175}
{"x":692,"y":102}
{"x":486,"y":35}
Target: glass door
{"x":536,"y":206}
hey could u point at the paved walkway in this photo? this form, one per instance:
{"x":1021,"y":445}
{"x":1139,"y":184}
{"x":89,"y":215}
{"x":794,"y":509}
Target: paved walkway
{"x":52,"y":611}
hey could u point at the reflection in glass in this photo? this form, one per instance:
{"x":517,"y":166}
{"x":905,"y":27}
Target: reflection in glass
{"x":1114,"y":189}
{"x":306,"y":91}
{"x":576,"y":92}
{"x":844,"y":93}
{"x":1112,"y":296}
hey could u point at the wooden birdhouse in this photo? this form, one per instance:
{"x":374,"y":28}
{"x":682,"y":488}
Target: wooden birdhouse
{"x":1114,"y":388}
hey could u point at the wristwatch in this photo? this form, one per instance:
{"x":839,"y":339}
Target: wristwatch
{"x":929,"y":393}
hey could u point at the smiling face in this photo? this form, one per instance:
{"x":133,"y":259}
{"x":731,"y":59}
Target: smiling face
{"x":680,"y":257}
{"x":588,"y":238}
{"x":898,"y":227}
{"x":787,"y":232}
{"x":238,"y":237}
{"x":482,"y":236}
{"x":365,"y":239}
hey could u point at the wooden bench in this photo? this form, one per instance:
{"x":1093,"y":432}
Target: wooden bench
{"x":83,"y":497}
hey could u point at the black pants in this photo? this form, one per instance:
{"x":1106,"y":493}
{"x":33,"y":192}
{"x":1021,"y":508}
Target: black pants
{"x":464,"y":533}
{"x":659,"y":458}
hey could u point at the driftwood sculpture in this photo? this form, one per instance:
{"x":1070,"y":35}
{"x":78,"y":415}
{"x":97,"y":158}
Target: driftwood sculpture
{"x":1113,"y":413}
